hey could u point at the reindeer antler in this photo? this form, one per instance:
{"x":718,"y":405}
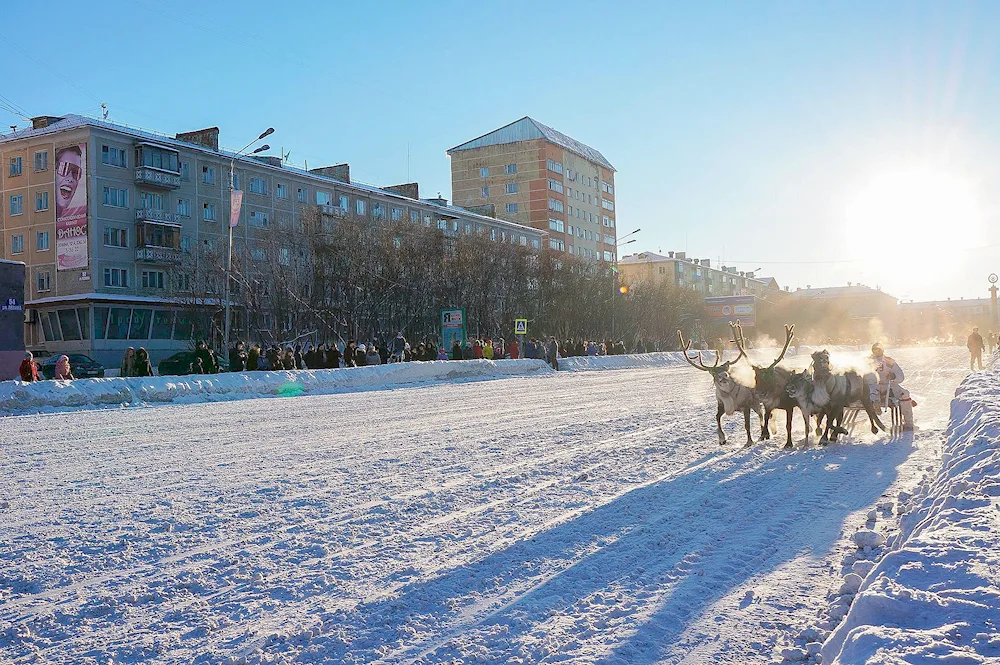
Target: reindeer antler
{"x":687,"y":347}
{"x":789,"y":333}
{"x":738,"y":338}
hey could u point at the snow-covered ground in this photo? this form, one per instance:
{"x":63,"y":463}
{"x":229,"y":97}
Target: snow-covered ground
{"x":585,"y":516}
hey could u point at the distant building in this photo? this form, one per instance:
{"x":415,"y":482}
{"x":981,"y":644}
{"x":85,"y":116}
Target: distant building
{"x":122,"y":230}
{"x":855,"y":313}
{"x":945,"y":319}
{"x":694,"y":274}
{"x":534,"y":175}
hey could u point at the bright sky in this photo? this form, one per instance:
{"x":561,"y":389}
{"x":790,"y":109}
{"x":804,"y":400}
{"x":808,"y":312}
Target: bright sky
{"x":820,"y":142}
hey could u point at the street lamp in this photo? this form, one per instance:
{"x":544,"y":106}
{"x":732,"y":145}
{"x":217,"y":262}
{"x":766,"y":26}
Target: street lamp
{"x":233,"y":219}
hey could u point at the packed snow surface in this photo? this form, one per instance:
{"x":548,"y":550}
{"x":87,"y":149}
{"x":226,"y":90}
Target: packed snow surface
{"x":585,"y":517}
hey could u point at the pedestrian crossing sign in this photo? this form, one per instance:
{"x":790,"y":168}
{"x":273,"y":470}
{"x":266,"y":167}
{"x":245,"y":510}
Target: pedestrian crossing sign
{"x":520,"y":326}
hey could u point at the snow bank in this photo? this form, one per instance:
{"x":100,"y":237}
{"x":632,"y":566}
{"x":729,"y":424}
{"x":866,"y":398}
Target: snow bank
{"x":628,"y":361}
{"x":19,"y":397}
{"x":936,"y":593}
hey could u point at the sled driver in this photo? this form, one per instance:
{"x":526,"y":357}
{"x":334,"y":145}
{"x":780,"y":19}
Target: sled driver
{"x":890,"y":375}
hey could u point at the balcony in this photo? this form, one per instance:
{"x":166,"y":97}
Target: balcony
{"x":148,"y":215}
{"x":165,"y":255}
{"x":149,"y":177}
{"x":332,"y":210}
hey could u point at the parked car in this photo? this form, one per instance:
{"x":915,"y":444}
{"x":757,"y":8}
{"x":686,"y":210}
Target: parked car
{"x":83,"y":367}
{"x":180,"y":363}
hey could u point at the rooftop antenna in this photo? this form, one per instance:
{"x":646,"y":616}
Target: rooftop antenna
{"x":13,"y":128}
{"x":407,"y":161}
{"x":104,"y":111}
{"x":284,"y":155}
{"x":306,"y":162}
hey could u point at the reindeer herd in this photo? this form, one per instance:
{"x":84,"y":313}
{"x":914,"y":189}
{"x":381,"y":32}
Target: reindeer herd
{"x":821,"y":393}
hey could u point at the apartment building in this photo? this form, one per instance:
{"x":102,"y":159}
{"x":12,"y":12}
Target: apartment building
{"x":946,"y":319}
{"x":117,"y":227}
{"x":695,"y":274}
{"x":534,"y":175}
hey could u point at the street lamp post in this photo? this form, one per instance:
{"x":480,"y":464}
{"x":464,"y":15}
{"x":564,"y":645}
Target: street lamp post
{"x":614,"y":297}
{"x":229,"y":248}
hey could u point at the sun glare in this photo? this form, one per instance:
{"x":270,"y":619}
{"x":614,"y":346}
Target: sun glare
{"x":923,"y":211}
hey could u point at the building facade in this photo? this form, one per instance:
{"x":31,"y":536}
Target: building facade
{"x":942,"y":320}
{"x":124,"y":232}
{"x":534,"y":175}
{"x":695,"y":274}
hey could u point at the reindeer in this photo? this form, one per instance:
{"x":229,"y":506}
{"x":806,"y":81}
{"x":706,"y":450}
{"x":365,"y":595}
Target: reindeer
{"x":730,"y":395}
{"x":826,"y":394}
{"x":769,"y":385}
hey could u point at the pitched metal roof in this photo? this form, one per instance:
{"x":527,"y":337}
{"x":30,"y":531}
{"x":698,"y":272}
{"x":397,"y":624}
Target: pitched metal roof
{"x":529,"y":129}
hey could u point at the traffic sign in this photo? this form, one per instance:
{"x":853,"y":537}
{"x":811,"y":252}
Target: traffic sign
{"x":520,"y":326}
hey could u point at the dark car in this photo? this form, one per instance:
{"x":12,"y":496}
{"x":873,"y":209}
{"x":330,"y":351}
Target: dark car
{"x":180,"y":363}
{"x":83,"y":367}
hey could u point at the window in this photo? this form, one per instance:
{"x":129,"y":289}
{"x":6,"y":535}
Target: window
{"x":427,"y":220}
{"x":571,"y":174}
{"x":610,"y":223}
{"x":15,"y":167}
{"x":608,"y":188}
{"x":607,"y":204}
{"x":157,"y":158}
{"x":396,"y":214}
{"x":555,"y":166}
{"x":284,"y":256}
{"x":259,"y":186}
{"x":186,"y":244}
{"x":17,"y":204}
{"x":257,"y":254}
{"x":185,"y":171}
{"x":557,"y":225}
{"x":115,"y":197}
{"x":116,"y":277}
{"x":510,"y":188}
{"x":569,"y":209}
{"x":41,"y":201}
{"x":555,"y":186}
{"x":42,"y":160}
{"x":141,"y":318}
{"x":378,"y":211}
{"x":555,"y":204}
{"x":512,"y":208}
{"x":557,"y":244}
{"x":208,"y":175}
{"x":154,"y":279}
{"x":610,"y":240}
{"x":17,"y":244}
{"x":184,"y":207}
{"x":300,"y":195}
{"x":44,"y":280}
{"x":208,"y":212}
{"x":281,"y":191}
{"x":259,"y":219}
{"x":323,"y":198}
{"x":236,"y":180}
{"x":343,"y":202}
{"x":151,"y":201}
{"x":443,"y":224}
{"x":113,"y":156}
{"x":42,"y":241}
{"x":360,"y":207}
{"x":484,"y":171}
{"x":163,"y":324}
{"x":414,"y":216}
{"x":510,"y":169}
{"x":484,"y":192}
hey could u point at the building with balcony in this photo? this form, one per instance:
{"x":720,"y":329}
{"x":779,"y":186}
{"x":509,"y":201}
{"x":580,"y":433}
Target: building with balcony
{"x":122,"y":230}
{"x":534,"y":175}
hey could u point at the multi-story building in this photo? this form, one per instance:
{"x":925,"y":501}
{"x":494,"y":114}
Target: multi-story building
{"x":695,"y":274}
{"x":946,"y":319}
{"x":117,"y":225}
{"x":534,"y":175}
{"x":853,"y":313}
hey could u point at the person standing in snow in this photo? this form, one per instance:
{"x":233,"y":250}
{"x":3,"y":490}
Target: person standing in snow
{"x":253,"y":358}
{"x":975,"y":346}
{"x":128,"y":363}
{"x":205,"y":356}
{"x":552,"y":353}
{"x":238,"y":358}
{"x":514,"y":349}
{"x":398,"y":347}
{"x":28,"y":369}
{"x":142,"y":365}
{"x":333,"y":357}
{"x":63,"y":370}
{"x":372,"y":356}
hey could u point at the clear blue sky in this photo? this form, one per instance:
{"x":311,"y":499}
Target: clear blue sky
{"x":740,"y":131}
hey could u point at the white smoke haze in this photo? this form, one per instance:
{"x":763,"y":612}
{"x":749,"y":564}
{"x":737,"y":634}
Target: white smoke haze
{"x":765,"y":341}
{"x":742,"y":373}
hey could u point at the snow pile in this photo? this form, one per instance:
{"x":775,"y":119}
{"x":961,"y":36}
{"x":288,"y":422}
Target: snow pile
{"x":935,"y":594}
{"x":628,"y":361}
{"x":19,"y":397}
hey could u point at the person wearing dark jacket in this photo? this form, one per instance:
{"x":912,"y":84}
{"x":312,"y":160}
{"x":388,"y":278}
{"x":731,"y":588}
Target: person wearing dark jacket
{"x":28,"y":369}
{"x":297,"y":358}
{"x":350,"y":354}
{"x":456,"y":351}
{"x":253,"y":355}
{"x":975,"y":346}
{"x":274,"y":358}
{"x":142,"y":365}
{"x":552,"y":353}
{"x":203,"y":353}
{"x":238,"y":358}
{"x":333,"y":357}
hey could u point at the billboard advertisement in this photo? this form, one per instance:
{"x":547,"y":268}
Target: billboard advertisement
{"x":452,"y":327}
{"x":11,"y":318}
{"x":71,"y":207}
{"x":732,"y":308}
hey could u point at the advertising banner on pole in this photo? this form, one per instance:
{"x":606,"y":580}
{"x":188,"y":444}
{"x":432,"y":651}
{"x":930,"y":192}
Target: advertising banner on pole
{"x":11,"y":318}
{"x":452,"y":327}
{"x":71,"y":207}
{"x":235,"y":205}
{"x":733,"y":308}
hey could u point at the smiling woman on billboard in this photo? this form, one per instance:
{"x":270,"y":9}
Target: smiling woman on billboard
{"x":71,"y":206}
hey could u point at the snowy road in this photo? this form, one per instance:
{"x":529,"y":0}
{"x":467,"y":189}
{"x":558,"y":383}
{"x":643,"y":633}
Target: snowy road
{"x":578,"y":517}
